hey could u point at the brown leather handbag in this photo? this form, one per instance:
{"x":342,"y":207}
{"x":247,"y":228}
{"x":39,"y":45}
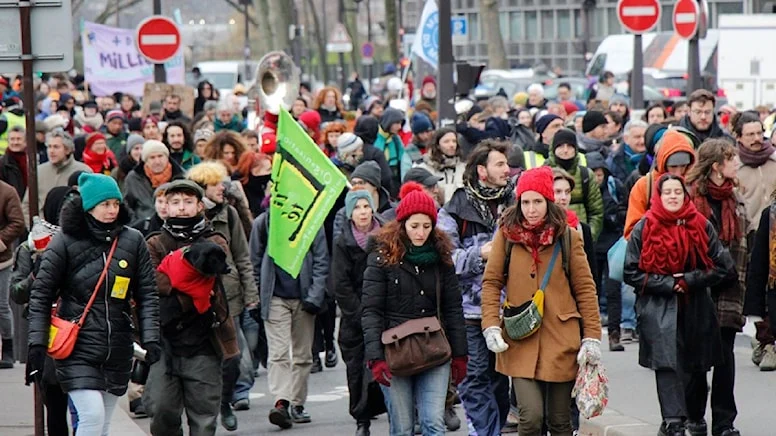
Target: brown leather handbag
{"x":418,"y":344}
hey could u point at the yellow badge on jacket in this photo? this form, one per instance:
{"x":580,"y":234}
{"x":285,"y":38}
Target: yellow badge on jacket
{"x":52,"y":334}
{"x":120,"y":287}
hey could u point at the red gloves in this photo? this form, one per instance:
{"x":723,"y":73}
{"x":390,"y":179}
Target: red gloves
{"x":380,"y":372}
{"x":458,"y":369}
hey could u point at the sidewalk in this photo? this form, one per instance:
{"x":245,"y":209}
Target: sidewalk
{"x":17,"y":411}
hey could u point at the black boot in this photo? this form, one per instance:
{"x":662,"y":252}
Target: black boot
{"x":317,"y":366}
{"x":7,"y":361}
{"x":228,"y":420}
{"x":362,"y":428}
{"x":614,"y":341}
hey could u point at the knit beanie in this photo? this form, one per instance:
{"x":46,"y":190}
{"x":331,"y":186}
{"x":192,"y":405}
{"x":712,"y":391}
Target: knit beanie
{"x":133,"y":140}
{"x":202,"y":135}
{"x":114,"y":115}
{"x":96,"y":188}
{"x":352,"y":198}
{"x":428,"y":79}
{"x":153,"y":146}
{"x":544,"y":121}
{"x":538,"y":180}
{"x":565,"y":136}
{"x":368,"y":171}
{"x":420,"y":123}
{"x":149,"y":119}
{"x":92,"y":138}
{"x":414,"y":200}
{"x":591,"y":120}
{"x":348,"y":143}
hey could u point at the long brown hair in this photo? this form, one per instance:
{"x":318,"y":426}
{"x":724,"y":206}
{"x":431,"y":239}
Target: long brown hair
{"x":556,"y":217}
{"x":710,"y":152}
{"x":435,"y":152}
{"x":391,"y":240}
{"x":214,"y":150}
{"x":321,"y":96}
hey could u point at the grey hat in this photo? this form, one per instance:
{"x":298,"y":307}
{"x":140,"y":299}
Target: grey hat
{"x":422,"y":176}
{"x":347,"y":143}
{"x":202,"y":135}
{"x":678,"y":159}
{"x":161,"y":190}
{"x":134,"y":140}
{"x":368,"y":171}
{"x":155,"y":107}
{"x":185,"y":185}
{"x":210,"y":105}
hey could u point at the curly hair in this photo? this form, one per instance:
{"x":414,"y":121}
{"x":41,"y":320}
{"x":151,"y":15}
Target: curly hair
{"x":330,"y":128}
{"x":392,"y":239}
{"x":322,"y":96}
{"x":214,"y":150}
{"x":712,"y":151}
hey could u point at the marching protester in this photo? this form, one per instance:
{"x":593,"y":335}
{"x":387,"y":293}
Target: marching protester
{"x":97,"y":156}
{"x":673,"y":255}
{"x":96,"y":373}
{"x":624,"y":161}
{"x":712,"y":184}
{"x":60,"y":166}
{"x":541,"y":365}
{"x":177,"y":138}
{"x":366,"y":175}
{"x":546,"y":127}
{"x":155,"y":222}
{"x":444,"y":160}
{"x":11,"y":228}
{"x":129,"y":161}
{"x":226,"y":147}
{"x":410,"y":282}
{"x":701,"y":119}
{"x":757,"y":169}
{"x":328,"y":103}
{"x":154,"y":170}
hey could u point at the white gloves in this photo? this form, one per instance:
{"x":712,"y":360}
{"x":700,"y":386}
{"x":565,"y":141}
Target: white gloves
{"x":494,"y":341}
{"x":589,"y":352}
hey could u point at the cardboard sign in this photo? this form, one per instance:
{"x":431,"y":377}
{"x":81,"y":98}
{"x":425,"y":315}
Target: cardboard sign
{"x":158,"y":92}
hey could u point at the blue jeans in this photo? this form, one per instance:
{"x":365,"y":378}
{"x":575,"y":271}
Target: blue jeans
{"x":427,"y":391}
{"x":628,"y":307}
{"x":484,"y":392}
{"x":250,"y":334}
{"x":94,"y":410}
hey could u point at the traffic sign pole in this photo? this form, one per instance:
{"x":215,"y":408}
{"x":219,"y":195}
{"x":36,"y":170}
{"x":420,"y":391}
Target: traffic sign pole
{"x":160,"y":75}
{"x":637,"y":75}
{"x":638,"y":16}
{"x":686,"y":20}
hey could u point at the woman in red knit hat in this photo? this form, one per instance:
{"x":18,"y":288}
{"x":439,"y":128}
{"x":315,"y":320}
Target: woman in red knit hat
{"x":674,"y":256}
{"x":410,"y":275}
{"x":97,"y":155}
{"x":543,"y":365}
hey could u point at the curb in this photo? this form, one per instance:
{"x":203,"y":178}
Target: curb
{"x":613,"y":423}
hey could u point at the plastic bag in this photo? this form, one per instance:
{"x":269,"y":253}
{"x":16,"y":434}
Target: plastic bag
{"x":591,"y":390}
{"x":616,"y":258}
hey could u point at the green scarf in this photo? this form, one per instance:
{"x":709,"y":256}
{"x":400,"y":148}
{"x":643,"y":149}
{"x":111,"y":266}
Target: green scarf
{"x":426,"y":254}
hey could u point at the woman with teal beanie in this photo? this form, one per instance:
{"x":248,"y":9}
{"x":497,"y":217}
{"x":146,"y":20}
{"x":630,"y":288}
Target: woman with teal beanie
{"x":94,"y":240}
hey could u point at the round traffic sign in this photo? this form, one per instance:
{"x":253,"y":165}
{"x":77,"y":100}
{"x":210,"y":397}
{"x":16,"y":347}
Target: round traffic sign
{"x":686,"y":18}
{"x":158,"y":39}
{"x":638,"y":16}
{"x":367,"y":50}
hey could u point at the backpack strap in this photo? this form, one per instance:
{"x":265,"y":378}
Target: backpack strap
{"x":585,"y":187}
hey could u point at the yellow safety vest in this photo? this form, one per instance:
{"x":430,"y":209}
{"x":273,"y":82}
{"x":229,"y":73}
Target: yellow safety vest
{"x":13,"y":121}
{"x":534,"y":159}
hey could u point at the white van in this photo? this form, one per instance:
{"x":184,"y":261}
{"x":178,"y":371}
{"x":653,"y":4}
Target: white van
{"x":224,"y":75}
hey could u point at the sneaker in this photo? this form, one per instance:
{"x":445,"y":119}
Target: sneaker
{"x":137,"y":408}
{"x":317,"y":366}
{"x":730,"y":432}
{"x":614,"y":342}
{"x":299,"y":415}
{"x":697,"y":428}
{"x":244,"y":404}
{"x":331,"y":358}
{"x":280,"y":416}
{"x":757,"y":355}
{"x":768,"y":362}
{"x":673,"y":429}
{"x":452,"y":422}
{"x":628,"y":336}
{"x":228,"y":420}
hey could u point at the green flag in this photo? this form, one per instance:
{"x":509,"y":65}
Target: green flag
{"x":305,"y":187}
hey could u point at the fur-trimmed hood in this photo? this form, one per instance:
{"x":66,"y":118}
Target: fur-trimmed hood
{"x":73,"y":220}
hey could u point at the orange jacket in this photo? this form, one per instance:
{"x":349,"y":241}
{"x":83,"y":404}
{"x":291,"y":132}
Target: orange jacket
{"x":672,"y":142}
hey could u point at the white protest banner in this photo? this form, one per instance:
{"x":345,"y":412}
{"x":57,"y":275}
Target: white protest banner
{"x":113,"y":64}
{"x":426,"y":44}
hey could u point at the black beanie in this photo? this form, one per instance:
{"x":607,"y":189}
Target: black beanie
{"x":591,"y":120}
{"x":565,"y":136}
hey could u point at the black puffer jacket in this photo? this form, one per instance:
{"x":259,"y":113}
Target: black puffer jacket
{"x":70,"y":269}
{"x":393,"y":294}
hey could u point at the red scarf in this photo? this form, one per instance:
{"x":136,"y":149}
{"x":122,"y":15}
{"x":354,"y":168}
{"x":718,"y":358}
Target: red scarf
{"x":531,"y":237}
{"x":672,"y":240}
{"x":99,"y":163}
{"x":572,"y":219}
{"x":184,"y":278}
{"x":729,"y":229}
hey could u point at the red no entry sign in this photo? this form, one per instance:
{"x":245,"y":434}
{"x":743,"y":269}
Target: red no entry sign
{"x":158,"y":39}
{"x":686,"y":18}
{"x":638,"y":16}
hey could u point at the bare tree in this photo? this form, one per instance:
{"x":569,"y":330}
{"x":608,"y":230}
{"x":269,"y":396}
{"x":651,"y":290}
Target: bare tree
{"x":352,"y":27}
{"x":112,"y":8}
{"x":320,"y":39}
{"x":264,"y":29}
{"x":280,"y":17}
{"x":497,"y":57}
{"x":392,"y":29}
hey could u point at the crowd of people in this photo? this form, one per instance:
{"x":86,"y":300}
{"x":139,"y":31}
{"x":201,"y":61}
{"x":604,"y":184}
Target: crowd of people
{"x":161,"y":219}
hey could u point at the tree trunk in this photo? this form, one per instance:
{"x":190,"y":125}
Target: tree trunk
{"x":111,"y":9}
{"x":320,"y":38}
{"x":497,"y":57}
{"x":392,"y":29}
{"x":263,"y":30}
{"x":351,"y":24}
{"x":279,"y":17}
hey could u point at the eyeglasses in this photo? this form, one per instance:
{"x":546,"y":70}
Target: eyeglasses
{"x":698,"y":113}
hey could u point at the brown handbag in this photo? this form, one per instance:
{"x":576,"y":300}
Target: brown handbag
{"x":418,"y":344}
{"x":64,"y":333}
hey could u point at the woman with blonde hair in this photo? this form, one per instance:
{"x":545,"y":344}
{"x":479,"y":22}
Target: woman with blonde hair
{"x":328,"y":103}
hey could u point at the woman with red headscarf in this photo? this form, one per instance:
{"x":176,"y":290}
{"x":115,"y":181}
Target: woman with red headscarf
{"x":97,"y":155}
{"x":674,"y":256}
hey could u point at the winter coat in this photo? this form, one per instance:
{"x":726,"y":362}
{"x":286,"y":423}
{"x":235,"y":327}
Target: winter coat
{"x":138,"y":192}
{"x":69,"y":271}
{"x":615,"y":206}
{"x":348,"y":264}
{"x":51,"y":176}
{"x":759,"y":296}
{"x":117,"y":144}
{"x":312,"y":276}
{"x":452,"y":177}
{"x":239,"y":283}
{"x":148,"y":225}
{"x":468,"y":232}
{"x":235,"y":124}
{"x":328,"y":116}
{"x":590,"y":210}
{"x":11,"y":173}
{"x":394,"y":294}
{"x":674,"y":333}
{"x":715,"y":131}
{"x":11,"y":223}
{"x":618,"y":163}
{"x":183,"y":328}
{"x":756,"y":184}
{"x":570,"y":309}
{"x":186,"y":159}
{"x":497,"y":128}
{"x":386,"y":178}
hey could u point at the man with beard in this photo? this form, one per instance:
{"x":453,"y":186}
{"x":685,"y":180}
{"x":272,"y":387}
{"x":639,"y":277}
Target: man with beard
{"x":115,"y":134}
{"x":757,"y":171}
{"x":153,"y":171}
{"x":172,"y":110}
{"x":177,"y":138}
{"x":470,"y":219}
{"x":586,"y":198}
{"x":428,"y":91}
{"x":701,"y":120}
